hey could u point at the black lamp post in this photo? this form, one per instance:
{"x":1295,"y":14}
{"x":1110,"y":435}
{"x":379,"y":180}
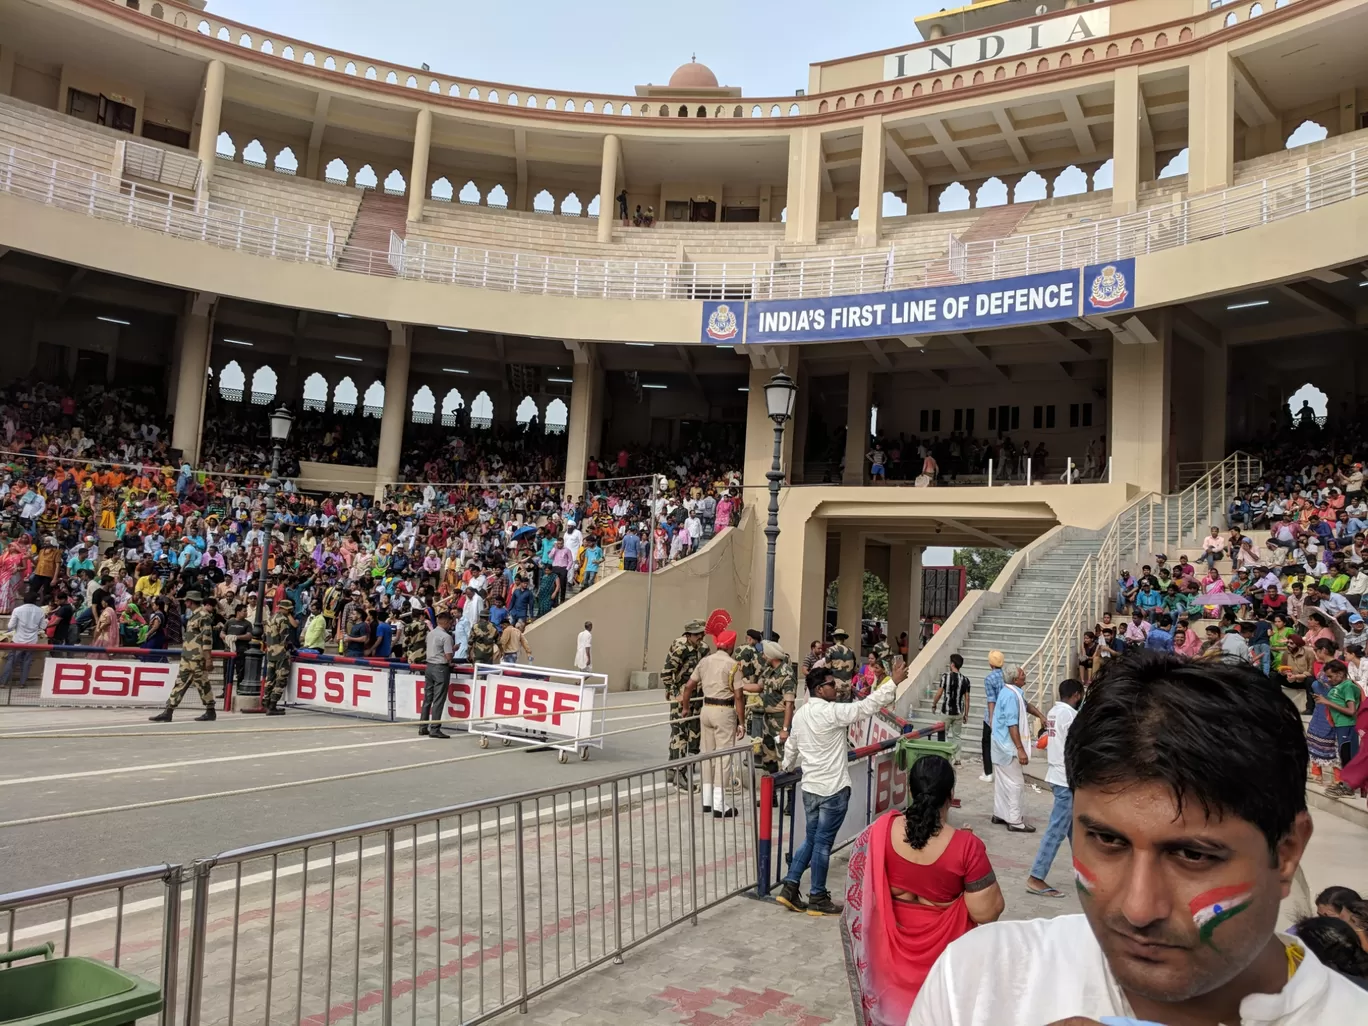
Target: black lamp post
{"x":779,"y":397}
{"x":281,"y":422}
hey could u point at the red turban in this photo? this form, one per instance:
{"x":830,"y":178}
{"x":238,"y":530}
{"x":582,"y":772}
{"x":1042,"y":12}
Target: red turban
{"x":727,"y":639}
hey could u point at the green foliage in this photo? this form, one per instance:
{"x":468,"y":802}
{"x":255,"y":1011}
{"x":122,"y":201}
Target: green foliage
{"x":875,"y":598}
{"x":981,"y":566}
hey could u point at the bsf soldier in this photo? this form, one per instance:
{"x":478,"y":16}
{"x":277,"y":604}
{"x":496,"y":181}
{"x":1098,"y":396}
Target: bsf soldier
{"x":778,"y":691}
{"x":840,"y":659}
{"x":685,"y":653}
{"x":749,"y":666}
{"x":415,"y":637}
{"x":280,"y":635}
{"x":197,"y":650}
{"x":484,"y":640}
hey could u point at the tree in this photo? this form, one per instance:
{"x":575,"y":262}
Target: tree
{"x":981,"y":566}
{"x":875,"y":597}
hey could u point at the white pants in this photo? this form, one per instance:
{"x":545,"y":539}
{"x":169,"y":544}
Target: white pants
{"x":1007,"y":784}
{"x":717,"y":732}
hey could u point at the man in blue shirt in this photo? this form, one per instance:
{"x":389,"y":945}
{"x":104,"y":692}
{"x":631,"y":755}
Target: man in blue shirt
{"x":1011,"y":746}
{"x":1148,"y":600}
{"x":79,"y":562}
{"x":1160,"y":637}
{"x":992,"y":685}
{"x":631,"y":549}
{"x":593,"y":558}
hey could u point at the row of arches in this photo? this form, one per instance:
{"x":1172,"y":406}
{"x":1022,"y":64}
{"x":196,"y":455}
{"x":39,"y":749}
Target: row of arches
{"x":423,"y":410}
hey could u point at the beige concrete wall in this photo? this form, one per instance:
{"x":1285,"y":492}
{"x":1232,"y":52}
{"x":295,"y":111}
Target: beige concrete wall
{"x":716,"y":577}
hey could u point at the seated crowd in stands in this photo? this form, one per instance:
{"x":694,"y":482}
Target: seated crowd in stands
{"x":464,"y":535}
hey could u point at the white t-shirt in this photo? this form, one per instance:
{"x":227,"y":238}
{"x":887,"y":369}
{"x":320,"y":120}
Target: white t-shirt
{"x":1035,"y":991}
{"x":1061,"y":718}
{"x":27,"y":622}
{"x":582,"y":652}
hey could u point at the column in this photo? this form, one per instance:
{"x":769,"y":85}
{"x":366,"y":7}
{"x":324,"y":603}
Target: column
{"x":1348,"y":106}
{"x":804,"y":185}
{"x":850,"y":591}
{"x":1211,"y":121}
{"x":1126,"y":140}
{"x":396,"y":408}
{"x":904,"y":594}
{"x":872,"y":161}
{"x":796,"y":432}
{"x":914,"y":605}
{"x":1215,"y":392}
{"x":6,"y":70}
{"x":612,"y":153}
{"x":196,"y":327}
{"x":418,"y":170}
{"x":857,"y":425}
{"x":1140,"y":414}
{"x":759,"y":438}
{"x":583,"y":429}
{"x":209,"y":120}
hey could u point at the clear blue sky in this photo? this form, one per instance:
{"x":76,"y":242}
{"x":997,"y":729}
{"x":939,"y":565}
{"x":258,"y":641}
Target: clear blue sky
{"x":765,"y":48}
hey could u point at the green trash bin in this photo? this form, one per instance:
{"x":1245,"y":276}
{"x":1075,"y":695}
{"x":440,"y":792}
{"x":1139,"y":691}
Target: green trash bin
{"x":908,"y":750}
{"x":71,"y":992}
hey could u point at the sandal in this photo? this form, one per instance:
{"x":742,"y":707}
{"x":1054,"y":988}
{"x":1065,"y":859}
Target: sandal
{"x":1048,"y":892}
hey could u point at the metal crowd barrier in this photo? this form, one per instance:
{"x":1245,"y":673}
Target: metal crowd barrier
{"x":457,"y":914}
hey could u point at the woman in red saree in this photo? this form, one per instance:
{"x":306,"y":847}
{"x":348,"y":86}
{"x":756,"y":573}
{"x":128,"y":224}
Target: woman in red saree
{"x":916,"y":885}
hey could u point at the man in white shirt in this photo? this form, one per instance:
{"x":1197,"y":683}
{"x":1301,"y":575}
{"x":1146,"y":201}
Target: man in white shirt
{"x":1061,"y":816}
{"x":27,"y":622}
{"x":470,"y":612}
{"x":1183,"y":851}
{"x":817,"y":744}
{"x":584,"y":648}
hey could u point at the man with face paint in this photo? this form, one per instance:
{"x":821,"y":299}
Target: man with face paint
{"x":1183,"y":850}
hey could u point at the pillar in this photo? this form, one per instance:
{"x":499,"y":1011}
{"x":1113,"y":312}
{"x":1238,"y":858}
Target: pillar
{"x":209,"y":120}
{"x":1140,"y":413}
{"x":872,"y":160}
{"x":585,"y":418}
{"x":396,"y":408}
{"x":850,"y":591}
{"x":795,"y":434}
{"x":6,"y":70}
{"x":196,"y":327}
{"x":918,"y":198}
{"x":857,"y":425}
{"x":612,"y":153}
{"x":1215,"y":391}
{"x":1211,"y":120}
{"x":914,"y":603}
{"x":760,"y":429}
{"x":418,"y":169}
{"x":804,"y":185}
{"x":1348,"y":107}
{"x":1126,"y":140}
{"x":904,"y":594}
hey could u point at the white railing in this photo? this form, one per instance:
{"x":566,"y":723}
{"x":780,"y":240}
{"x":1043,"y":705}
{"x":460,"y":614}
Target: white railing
{"x":1293,"y":191}
{"x":396,"y":253}
{"x":1131,"y":538}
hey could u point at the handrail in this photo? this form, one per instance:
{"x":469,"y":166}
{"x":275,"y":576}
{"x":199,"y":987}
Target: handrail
{"x":1054,"y":656}
{"x":1289,"y":192}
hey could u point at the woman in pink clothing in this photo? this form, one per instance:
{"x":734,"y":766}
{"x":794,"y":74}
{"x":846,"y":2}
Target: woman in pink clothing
{"x":723,"y":518}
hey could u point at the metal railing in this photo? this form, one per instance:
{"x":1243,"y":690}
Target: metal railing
{"x":1147,"y":521}
{"x":1283,"y":194}
{"x":456,"y":915}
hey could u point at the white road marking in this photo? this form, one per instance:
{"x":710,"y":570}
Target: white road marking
{"x":147,"y":767}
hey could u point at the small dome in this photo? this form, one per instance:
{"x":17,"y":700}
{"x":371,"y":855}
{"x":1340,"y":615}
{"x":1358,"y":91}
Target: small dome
{"x":693,"y":76}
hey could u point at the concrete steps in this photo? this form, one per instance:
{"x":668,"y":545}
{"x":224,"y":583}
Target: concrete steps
{"x":378,"y":216}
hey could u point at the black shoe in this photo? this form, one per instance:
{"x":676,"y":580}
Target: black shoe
{"x":789,"y":897}
{"x":422,"y":732}
{"x":998,"y":821}
{"x":707,"y":809}
{"x":820,"y":904}
{"x":1024,"y":828}
{"x":275,"y":710}
{"x":438,"y":734}
{"x":208,"y":716}
{"x":727,"y":814}
{"x":162,"y":717}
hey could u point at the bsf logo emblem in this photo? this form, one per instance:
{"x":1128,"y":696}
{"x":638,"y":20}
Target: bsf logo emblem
{"x":722,"y":324}
{"x":1108,"y":289}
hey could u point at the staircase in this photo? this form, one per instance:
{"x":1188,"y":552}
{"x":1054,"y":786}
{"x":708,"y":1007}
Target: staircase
{"x":1029,"y":608}
{"x":368,"y":246}
{"x":997,"y":222}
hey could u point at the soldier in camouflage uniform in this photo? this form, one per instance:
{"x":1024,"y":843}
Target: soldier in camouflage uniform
{"x":484,"y":640}
{"x":778,"y":692}
{"x":684,"y":654}
{"x":415,"y":637}
{"x":197,"y":648}
{"x":840,"y":658}
{"x":749,"y":668}
{"x":280,"y":636}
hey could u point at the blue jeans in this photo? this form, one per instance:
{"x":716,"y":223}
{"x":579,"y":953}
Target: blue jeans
{"x":823,"y":816}
{"x":23,"y":660}
{"x":1060,"y":827}
{"x":1264,"y":654}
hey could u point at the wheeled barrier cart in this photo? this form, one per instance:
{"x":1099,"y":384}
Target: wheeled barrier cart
{"x":540,"y":706}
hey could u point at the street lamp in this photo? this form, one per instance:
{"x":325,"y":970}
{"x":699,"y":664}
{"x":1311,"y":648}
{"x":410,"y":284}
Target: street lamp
{"x":779,"y":397}
{"x":281,"y":422}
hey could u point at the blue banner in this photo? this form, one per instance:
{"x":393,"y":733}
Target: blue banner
{"x":970,"y":306}
{"x":1109,"y":287}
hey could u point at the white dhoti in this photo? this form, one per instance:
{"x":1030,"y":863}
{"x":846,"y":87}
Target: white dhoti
{"x":1008,"y":782}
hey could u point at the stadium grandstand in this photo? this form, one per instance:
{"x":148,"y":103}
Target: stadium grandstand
{"x":284,"y":327}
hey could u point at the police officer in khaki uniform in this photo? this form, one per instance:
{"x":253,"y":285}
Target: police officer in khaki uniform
{"x":840,"y":659}
{"x":197,"y":651}
{"x":720,"y":720}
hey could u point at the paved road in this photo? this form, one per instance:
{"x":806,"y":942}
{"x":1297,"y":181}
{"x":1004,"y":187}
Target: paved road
{"x":45,"y":776}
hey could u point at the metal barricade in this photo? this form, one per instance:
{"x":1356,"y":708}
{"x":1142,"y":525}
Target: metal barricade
{"x":454,"y":915}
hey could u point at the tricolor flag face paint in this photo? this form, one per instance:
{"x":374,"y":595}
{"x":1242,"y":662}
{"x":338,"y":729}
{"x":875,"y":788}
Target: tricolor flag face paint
{"x":1087,"y":883}
{"x":1214,"y":907}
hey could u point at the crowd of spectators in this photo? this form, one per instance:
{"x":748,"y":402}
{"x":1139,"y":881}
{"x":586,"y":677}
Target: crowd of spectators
{"x":107,"y":532}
